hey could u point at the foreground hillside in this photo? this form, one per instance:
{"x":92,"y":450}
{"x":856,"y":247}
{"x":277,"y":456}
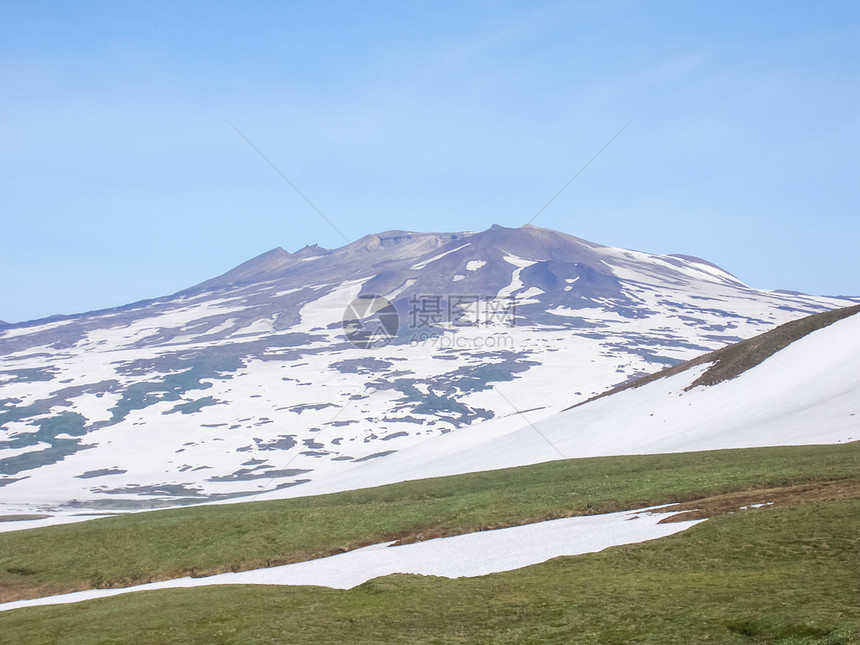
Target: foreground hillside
{"x":782,"y":573}
{"x":779,"y":576}
{"x":159,"y":545}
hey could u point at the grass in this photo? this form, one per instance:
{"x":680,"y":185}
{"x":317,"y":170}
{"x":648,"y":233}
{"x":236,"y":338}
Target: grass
{"x":157,"y":545}
{"x":785,"y":575}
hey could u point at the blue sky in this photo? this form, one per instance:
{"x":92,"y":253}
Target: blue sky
{"x":122,"y":177}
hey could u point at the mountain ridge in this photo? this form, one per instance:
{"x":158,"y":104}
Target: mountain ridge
{"x":271,"y":264}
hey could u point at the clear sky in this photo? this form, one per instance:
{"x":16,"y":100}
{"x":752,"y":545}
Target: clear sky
{"x":122,"y":177}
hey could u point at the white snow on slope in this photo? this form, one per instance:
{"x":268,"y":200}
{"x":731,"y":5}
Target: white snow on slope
{"x":5,"y":453}
{"x":54,"y":520}
{"x":421,"y":265}
{"x":323,"y":311}
{"x":635,"y":265}
{"x":516,"y":282}
{"x":808,"y":393}
{"x":805,"y":394}
{"x":473,"y":554}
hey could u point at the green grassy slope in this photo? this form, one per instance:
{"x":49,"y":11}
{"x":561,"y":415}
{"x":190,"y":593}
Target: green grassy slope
{"x":786,"y":575}
{"x":159,"y":545}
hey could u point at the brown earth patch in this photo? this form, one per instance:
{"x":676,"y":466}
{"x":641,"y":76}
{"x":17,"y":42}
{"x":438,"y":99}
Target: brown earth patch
{"x":21,"y":518}
{"x":814,"y":492}
{"x":733,"y":360}
{"x":695,"y":509}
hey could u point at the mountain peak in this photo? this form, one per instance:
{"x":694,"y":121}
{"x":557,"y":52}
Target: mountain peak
{"x":258,"y":268}
{"x":310,"y":250}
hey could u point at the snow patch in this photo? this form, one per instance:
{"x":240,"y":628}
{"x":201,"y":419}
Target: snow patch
{"x":421,"y":265}
{"x":516,"y":282}
{"x":470,"y":555}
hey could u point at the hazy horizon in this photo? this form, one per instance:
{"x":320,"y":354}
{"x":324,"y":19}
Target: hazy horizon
{"x":124,"y":177}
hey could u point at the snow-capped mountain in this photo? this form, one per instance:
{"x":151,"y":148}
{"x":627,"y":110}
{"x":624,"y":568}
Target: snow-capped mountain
{"x":293,"y":364}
